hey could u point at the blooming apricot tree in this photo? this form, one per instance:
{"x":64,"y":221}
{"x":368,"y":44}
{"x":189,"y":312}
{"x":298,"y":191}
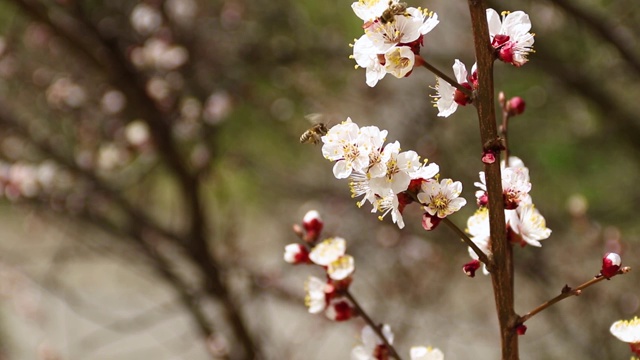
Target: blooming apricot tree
{"x":389,"y":179}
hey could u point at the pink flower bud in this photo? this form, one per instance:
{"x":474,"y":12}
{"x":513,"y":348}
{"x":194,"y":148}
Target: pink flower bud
{"x":521,"y":329}
{"x":430,"y":222}
{"x":610,"y":265}
{"x":471,"y":267}
{"x":488,"y":157}
{"x":516,"y":106}
{"x":635,"y":348}
{"x":483,"y":200}
{"x":312,"y":224}
{"x":296,"y":254}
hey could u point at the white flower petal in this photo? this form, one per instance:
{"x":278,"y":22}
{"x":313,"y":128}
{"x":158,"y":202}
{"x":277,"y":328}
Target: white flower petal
{"x":627,"y":330}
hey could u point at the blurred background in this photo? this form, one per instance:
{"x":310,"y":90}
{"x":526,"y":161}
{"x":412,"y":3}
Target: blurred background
{"x":150,"y":172}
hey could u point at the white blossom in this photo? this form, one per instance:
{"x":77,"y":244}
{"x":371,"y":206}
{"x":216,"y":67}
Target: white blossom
{"x":369,"y":10}
{"x":315,"y":299}
{"x":445,"y":92}
{"x":341,"y":268}
{"x":627,"y":330}
{"x":366,"y":56}
{"x":511,"y":35}
{"x":403,"y":30}
{"x":441,"y":199}
{"x":398,"y":167}
{"x":375,"y":138}
{"x":527,"y":222}
{"x":515,"y":186}
{"x":478,"y":228}
{"x":328,"y":251}
{"x":399,"y":61}
{"x":388,"y":204}
{"x":344,"y":145}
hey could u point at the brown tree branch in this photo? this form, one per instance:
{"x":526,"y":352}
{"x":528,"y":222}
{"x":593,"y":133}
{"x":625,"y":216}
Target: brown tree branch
{"x":567,"y":292}
{"x":79,"y":31}
{"x":144,"y":239}
{"x":502,"y":275}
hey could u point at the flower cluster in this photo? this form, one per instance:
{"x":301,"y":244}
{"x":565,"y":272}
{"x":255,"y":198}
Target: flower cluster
{"x":323,"y":296}
{"x":525,"y":224}
{"x":373,"y":348}
{"x":629,"y":332}
{"x":393,"y":36}
{"x":387,"y":177}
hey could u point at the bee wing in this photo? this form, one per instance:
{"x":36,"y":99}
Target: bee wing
{"x":315,"y":118}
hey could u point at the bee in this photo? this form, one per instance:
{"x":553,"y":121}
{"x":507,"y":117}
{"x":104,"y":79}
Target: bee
{"x":318,"y":130}
{"x":313,"y":135}
{"x":388,"y":16}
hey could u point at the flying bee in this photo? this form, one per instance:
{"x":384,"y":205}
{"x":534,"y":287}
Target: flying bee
{"x":389,"y":15}
{"x":314,"y":134}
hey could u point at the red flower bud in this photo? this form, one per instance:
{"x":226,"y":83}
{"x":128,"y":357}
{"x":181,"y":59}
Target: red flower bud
{"x":483,"y":200}
{"x":312,"y":224}
{"x":521,"y":329}
{"x":471,"y":267}
{"x":515,"y":106}
{"x":610,"y":265}
{"x":296,"y":254}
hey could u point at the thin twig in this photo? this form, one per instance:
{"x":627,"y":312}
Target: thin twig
{"x":481,"y":255}
{"x":375,"y":327}
{"x":446,"y":78}
{"x":568,"y":292}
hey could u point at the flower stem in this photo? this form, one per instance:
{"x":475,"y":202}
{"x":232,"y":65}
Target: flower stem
{"x":481,"y":255}
{"x":567,"y":292}
{"x":376,"y":328}
{"x":446,"y":78}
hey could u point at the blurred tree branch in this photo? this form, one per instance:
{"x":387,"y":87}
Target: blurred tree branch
{"x":601,"y":25}
{"x":108,"y":57}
